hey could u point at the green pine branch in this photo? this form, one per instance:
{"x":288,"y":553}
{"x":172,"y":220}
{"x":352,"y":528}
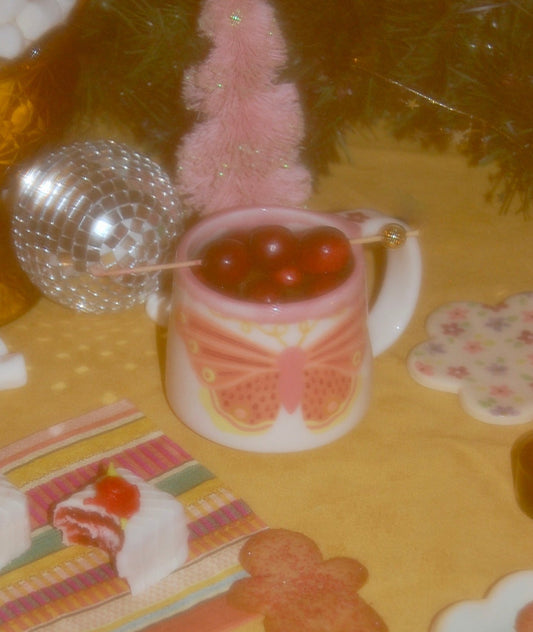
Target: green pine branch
{"x":436,"y":70}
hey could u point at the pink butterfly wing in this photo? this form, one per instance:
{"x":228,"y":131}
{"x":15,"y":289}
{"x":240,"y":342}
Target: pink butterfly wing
{"x":242,"y":377}
{"x":331,"y":371}
{"x":247,"y":383}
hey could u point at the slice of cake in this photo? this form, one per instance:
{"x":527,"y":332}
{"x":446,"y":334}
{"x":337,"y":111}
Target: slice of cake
{"x":15,"y":531}
{"x":143,"y":529}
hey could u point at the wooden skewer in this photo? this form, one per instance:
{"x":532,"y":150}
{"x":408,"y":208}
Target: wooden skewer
{"x":98,"y":271}
{"x":374,"y":239}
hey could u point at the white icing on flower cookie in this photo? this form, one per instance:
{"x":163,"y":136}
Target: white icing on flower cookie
{"x":485,"y":354}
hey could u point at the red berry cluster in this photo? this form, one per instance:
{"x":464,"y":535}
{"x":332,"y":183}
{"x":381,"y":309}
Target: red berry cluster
{"x":273,"y":264}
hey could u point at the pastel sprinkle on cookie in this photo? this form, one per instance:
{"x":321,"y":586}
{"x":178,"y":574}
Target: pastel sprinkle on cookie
{"x":484,"y":353}
{"x":296,"y":589}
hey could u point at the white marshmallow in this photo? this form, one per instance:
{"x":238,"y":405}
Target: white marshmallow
{"x":11,"y":41}
{"x":22,"y":22}
{"x":9,"y":9}
{"x":66,"y":6}
{"x":36,"y":19}
{"x":12,"y":369}
{"x":15,"y":533}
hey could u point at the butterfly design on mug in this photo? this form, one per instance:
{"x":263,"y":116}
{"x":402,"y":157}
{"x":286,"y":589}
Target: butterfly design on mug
{"x":248,"y":383}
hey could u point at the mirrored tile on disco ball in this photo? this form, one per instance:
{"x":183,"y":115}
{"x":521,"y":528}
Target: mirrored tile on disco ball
{"x":94,"y":203}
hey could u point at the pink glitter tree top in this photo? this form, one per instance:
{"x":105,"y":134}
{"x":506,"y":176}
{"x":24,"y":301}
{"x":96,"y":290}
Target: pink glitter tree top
{"x":244,"y":149}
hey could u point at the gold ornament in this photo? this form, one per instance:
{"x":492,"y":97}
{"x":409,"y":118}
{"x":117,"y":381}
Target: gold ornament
{"x":36,"y":98}
{"x":22,"y":125}
{"x":17,"y":294}
{"x":393,"y":235}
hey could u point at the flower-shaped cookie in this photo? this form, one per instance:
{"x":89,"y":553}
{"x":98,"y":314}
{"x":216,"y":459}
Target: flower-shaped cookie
{"x":505,"y":607}
{"x":297,"y":590}
{"x":485,"y":354}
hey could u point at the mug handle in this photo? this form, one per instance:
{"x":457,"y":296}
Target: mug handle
{"x":398,"y":295}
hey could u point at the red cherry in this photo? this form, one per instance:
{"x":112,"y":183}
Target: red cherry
{"x":225,"y":263}
{"x":117,"y":495}
{"x":289,"y":276}
{"x":262,"y":290}
{"x":324,"y":250}
{"x":273,"y":246}
{"x":321,"y":283}
{"x":240,"y":234}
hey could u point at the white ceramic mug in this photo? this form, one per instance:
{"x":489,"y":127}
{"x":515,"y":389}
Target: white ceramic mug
{"x":291,"y":376}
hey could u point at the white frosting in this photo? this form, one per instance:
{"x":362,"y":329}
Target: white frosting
{"x":156,"y":541}
{"x":23,"y":22}
{"x":155,"y":538}
{"x":15,"y":533}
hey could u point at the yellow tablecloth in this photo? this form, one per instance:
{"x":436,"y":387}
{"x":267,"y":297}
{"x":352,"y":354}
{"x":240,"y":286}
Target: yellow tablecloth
{"x":420,"y":492}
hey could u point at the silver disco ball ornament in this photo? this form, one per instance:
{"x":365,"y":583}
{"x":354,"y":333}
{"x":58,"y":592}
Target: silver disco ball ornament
{"x":93,"y":204}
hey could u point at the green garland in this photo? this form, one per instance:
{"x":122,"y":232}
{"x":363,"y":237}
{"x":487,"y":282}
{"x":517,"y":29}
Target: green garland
{"x":443,"y":71}
{"x":133,"y":54}
{"x":469,"y":66}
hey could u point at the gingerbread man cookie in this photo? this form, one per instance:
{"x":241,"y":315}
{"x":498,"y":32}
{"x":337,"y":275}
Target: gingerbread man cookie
{"x":296,"y":589}
{"x":485,"y":354}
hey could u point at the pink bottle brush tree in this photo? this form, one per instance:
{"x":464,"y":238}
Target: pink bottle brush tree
{"x":244,"y":148}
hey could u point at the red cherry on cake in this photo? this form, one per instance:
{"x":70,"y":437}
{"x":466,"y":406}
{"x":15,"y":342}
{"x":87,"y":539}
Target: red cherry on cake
{"x":225,"y":263}
{"x":324,"y":250}
{"x":273,"y":246}
{"x":117,"y":495}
